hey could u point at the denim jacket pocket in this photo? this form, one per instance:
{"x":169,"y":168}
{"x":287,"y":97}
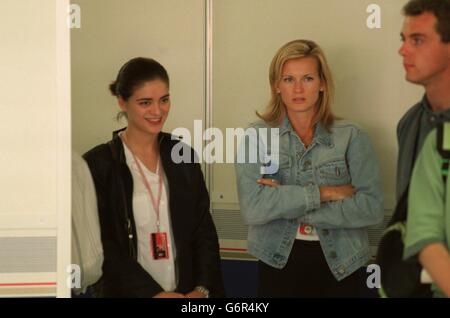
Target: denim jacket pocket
{"x":333,"y":173}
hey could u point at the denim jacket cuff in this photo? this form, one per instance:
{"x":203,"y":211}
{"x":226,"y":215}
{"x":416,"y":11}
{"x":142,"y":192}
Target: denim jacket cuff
{"x":312,"y":197}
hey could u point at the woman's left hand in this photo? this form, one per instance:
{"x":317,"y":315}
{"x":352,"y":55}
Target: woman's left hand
{"x":268,"y":182}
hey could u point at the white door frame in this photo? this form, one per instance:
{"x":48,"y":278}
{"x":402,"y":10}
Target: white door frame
{"x":64,"y":147}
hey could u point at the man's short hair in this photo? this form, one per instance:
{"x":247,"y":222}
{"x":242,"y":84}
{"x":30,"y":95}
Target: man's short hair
{"x":440,"y":9}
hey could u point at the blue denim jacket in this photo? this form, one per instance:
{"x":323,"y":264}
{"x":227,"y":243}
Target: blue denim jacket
{"x":273,"y":214}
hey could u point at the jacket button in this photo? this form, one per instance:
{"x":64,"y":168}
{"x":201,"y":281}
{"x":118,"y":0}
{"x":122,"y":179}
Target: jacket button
{"x":333,"y":255}
{"x":341,"y":270}
{"x":279,"y":257}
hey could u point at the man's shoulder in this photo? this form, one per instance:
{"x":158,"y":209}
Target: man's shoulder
{"x":410,"y":115}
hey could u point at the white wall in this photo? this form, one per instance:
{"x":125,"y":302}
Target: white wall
{"x":114,"y":31}
{"x":35,"y":143}
{"x":28,"y":107}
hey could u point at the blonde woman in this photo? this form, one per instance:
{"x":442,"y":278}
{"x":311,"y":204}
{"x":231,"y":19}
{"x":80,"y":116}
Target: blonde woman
{"x":308,"y":220}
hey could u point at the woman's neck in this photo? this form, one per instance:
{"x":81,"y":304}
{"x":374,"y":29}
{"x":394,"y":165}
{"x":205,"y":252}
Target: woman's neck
{"x":141,"y":144}
{"x":303,"y":126}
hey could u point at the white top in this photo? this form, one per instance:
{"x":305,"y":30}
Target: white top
{"x":87,"y":249}
{"x":161,"y":270}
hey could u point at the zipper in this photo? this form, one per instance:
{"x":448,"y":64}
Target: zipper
{"x":128,"y":225}
{"x":130,"y":239}
{"x":124,"y":198}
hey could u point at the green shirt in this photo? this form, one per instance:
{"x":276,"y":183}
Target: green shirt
{"x":428,"y":214}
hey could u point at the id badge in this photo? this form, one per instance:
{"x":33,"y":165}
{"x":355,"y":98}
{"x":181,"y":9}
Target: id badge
{"x":158,"y":242}
{"x":306,"y":229}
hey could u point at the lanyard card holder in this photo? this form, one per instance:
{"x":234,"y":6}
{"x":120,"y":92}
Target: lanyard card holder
{"x":158,"y":243}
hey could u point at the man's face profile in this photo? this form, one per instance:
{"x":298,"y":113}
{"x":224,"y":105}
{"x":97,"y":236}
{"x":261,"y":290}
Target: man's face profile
{"x":426,"y":58}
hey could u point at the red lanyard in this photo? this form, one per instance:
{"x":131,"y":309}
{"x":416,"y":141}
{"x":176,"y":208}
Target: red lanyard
{"x":155,"y":203}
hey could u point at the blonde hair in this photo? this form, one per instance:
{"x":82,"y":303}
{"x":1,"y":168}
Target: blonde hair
{"x":275,"y":109}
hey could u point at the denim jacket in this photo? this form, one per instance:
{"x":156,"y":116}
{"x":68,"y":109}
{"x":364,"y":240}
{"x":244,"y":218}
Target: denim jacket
{"x":342,"y":156}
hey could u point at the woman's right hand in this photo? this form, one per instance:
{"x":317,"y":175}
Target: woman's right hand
{"x":168,"y":295}
{"x":336,"y":193}
{"x":268,"y":182}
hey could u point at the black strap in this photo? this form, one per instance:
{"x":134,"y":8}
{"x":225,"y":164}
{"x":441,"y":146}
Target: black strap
{"x":401,"y":207}
{"x":445,"y":153}
{"x":444,"y":170}
{"x":404,"y":195}
{"x":128,"y":214}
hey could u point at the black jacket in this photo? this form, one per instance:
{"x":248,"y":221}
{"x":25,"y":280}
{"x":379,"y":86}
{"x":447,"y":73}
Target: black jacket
{"x":196,"y":241}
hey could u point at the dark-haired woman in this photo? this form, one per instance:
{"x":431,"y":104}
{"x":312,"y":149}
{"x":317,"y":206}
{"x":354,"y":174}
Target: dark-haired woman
{"x":157,"y":233}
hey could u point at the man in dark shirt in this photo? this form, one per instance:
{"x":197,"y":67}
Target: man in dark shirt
{"x":426,"y":58}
